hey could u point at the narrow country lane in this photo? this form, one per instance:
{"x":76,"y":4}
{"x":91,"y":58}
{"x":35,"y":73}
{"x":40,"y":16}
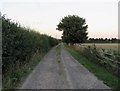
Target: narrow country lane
{"x":59,"y":70}
{"x":46,"y":75}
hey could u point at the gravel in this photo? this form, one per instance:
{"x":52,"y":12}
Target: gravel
{"x":66,"y":74}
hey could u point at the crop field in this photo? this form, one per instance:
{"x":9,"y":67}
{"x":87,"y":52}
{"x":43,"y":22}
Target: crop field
{"x":112,"y":46}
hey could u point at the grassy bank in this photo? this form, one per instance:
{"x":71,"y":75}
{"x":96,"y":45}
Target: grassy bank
{"x":109,"y":79}
{"x":11,"y":81}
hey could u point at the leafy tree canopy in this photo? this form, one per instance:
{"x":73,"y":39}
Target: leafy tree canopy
{"x":74,"y":29}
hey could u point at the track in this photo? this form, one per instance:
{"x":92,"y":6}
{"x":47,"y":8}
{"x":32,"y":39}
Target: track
{"x":59,"y":70}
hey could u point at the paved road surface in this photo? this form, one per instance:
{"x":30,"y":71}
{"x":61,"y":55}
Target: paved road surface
{"x":66,"y":73}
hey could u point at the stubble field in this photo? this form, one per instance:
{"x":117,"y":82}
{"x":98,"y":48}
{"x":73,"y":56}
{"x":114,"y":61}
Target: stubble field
{"x":108,"y":46}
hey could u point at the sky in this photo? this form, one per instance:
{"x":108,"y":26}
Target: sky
{"x":44,"y":15}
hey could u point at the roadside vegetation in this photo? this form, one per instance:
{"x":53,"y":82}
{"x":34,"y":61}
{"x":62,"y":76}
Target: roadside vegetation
{"x":91,"y":62}
{"x":60,"y":64}
{"x":58,"y":52}
{"x":22,"y":49}
{"x":105,"y":55}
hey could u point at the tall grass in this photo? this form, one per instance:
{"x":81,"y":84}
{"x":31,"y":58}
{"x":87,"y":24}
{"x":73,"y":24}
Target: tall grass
{"x":109,"y":59}
{"x":19,"y":45}
{"x":103,"y":74}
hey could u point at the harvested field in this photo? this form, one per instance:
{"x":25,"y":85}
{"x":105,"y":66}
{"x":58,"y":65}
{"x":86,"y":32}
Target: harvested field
{"x":113,"y":46}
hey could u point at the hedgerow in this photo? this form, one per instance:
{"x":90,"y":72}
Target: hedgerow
{"x":19,"y":44}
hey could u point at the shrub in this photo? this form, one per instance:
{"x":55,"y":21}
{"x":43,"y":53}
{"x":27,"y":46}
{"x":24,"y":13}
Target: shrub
{"x":106,"y":59}
{"x":19,"y":44}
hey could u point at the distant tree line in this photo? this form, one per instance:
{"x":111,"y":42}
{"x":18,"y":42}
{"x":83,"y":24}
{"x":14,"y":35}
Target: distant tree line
{"x":103,"y":40}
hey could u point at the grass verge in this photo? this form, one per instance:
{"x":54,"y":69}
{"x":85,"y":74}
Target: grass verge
{"x":109,"y":79}
{"x":58,"y":52}
{"x":60,"y":64}
{"x":13,"y":80}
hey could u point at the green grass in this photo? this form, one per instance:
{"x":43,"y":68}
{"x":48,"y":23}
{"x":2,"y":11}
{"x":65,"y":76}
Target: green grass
{"x":58,"y":52}
{"x":109,"y":79}
{"x":60,"y":63}
{"x":13,"y":80}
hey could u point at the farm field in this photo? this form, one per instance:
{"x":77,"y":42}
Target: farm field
{"x":113,"y":46}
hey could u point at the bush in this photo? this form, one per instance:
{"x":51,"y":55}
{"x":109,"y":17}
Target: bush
{"x":104,"y":59}
{"x":20,"y":44}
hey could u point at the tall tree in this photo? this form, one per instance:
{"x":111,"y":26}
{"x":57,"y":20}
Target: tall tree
{"x":74,"y":29}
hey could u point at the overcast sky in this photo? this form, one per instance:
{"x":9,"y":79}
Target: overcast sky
{"x":43,"y":15}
